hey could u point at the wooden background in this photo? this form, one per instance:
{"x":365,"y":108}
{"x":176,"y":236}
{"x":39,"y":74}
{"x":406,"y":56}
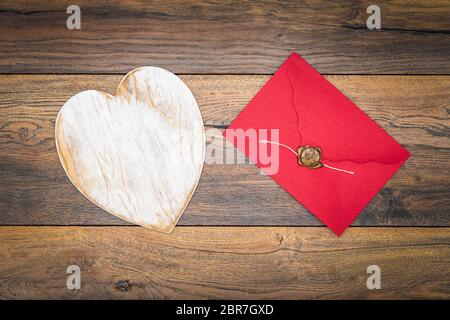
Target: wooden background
{"x":242,"y":236}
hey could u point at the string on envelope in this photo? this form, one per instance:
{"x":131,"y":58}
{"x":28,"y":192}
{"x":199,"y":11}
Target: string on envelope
{"x":297,"y":112}
{"x":295,"y":152}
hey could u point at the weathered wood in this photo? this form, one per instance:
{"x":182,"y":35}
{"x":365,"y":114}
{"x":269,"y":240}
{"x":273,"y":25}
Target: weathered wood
{"x":139,"y":154}
{"x":224,"y":36}
{"x":224,"y":263}
{"x":414,"y":109}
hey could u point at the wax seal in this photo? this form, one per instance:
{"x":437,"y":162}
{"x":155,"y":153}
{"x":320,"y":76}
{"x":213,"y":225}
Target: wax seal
{"x":310,"y":157}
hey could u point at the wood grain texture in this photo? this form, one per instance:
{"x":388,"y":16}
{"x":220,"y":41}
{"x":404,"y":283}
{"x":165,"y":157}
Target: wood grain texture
{"x":249,"y":37}
{"x":224,"y":263}
{"x":413,"y":109}
{"x":138,"y":154}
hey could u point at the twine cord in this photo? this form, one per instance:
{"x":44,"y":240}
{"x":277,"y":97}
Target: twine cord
{"x":280,"y":144}
{"x":294,"y":152}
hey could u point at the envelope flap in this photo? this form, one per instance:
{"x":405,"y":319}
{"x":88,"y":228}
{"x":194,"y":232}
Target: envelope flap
{"x":329,"y":119}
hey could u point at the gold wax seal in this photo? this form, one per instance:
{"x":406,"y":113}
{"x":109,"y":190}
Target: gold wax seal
{"x":310,"y":157}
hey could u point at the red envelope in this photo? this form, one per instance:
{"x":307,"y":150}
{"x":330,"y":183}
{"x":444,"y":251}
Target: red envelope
{"x":308,"y":110}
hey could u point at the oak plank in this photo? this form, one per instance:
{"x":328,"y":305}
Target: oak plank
{"x":224,"y":263}
{"x":251,"y":37}
{"x":414,"y":109}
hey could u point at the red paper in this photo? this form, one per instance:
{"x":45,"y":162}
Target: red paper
{"x":308,"y":110}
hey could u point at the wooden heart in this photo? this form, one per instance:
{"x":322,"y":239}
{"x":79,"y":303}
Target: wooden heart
{"x":139,"y":154}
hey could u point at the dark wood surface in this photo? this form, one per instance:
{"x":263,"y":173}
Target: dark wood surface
{"x":250,"y":37}
{"x":226,"y":50}
{"x":224,"y":263}
{"x":34,"y":189}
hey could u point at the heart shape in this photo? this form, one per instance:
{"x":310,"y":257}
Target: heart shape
{"x":139,"y":154}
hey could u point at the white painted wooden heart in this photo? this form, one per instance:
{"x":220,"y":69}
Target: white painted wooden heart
{"x":139,"y":154}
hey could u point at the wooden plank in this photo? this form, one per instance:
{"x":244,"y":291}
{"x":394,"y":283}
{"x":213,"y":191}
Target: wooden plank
{"x":224,"y":263}
{"x":224,"y":36}
{"x":414,"y":109}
